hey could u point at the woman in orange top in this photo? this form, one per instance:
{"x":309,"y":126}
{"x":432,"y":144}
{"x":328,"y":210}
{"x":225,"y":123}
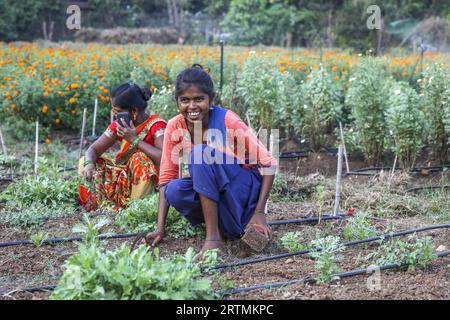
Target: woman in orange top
{"x":230,"y":172}
{"x":135,"y":171}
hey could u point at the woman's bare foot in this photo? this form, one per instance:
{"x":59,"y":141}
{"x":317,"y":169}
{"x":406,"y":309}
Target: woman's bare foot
{"x":212,"y":244}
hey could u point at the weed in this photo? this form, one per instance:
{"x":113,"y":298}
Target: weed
{"x":39,"y":238}
{"x":327,"y":257}
{"x":359,"y":227}
{"x":293,"y":241}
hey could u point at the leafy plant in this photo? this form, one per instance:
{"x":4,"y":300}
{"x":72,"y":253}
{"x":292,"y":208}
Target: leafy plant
{"x":326,"y":252}
{"x":366,"y":96}
{"x":142,"y":216}
{"x":321,"y":106}
{"x":416,"y":252}
{"x":90,"y":229}
{"x":39,"y":238}
{"x":406,"y":123}
{"x":319,"y":196}
{"x":94,"y":273}
{"x":435,"y":99}
{"x":293,"y":241}
{"x":163,"y":103}
{"x":359,"y":227}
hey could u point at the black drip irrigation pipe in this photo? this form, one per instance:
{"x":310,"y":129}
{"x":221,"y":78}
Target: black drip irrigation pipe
{"x":131,"y":235}
{"x":310,"y":279}
{"x":428,"y":188}
{"x":72,"y":239}
{"x":346,"y":244}
{"x":360,"y":172}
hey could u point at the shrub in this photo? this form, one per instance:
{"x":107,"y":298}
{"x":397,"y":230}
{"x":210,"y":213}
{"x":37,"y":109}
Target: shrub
{"x":321,"y":106}
{"x":366,"y":96}
{"x":435,"y":99}
{"x":406,"y":123}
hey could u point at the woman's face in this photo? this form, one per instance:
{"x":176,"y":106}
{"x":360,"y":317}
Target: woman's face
{"x":116,"y":109}
{"x":194,"y":105}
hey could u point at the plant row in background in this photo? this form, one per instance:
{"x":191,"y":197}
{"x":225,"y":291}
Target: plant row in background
{"x":386,"y":104}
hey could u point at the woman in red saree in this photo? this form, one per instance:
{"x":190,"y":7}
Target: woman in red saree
{"x":134,"y":173}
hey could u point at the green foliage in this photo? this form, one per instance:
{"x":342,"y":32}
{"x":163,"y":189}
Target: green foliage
{"x":142,"y":216}
{"x":94,"y":273}
{"x":163,"y":103}
{"x":359,"y":227}
{"x":416,"y":252}
{"x":39,"y":238}
{"x":319,"y":197}
{"x":327,"y":257}
{"x":293,"y":241}
{"x":269,"y":94}
{"x":351,"y":138}
{"x":367,"y":96}
{"x":435,"y":100}
{"x":90,"y":229}
{"x":321,"y":106}
{"x":406,"y":123}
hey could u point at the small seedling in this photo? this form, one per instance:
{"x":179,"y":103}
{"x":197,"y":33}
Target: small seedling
{"x":39,"y":238}
{"x":326,"y":252}
{"x":359,"y":227}
{"x":293,"y":241}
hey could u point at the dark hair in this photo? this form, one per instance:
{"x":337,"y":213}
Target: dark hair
{"x":129,"y":96}
{"x":195,"y":76}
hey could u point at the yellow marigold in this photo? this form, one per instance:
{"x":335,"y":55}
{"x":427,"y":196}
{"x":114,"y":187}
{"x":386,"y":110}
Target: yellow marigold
{"x":13,"y":106}
{"x":57,"y":120}
{"x":74,"y":86}
{"x":72,"y":100}
{"x":45,"y":94}
{"x":44,"y":108}
{"x":48,"y":141}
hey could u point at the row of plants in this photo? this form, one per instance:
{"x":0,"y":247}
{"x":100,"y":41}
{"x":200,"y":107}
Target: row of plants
{"x":300,"y":92}
{"x":326,"y":250}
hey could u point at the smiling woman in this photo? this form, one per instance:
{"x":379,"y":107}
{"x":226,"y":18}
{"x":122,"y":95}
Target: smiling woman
{"x":225,"y":188}
{"x":135,"y":171}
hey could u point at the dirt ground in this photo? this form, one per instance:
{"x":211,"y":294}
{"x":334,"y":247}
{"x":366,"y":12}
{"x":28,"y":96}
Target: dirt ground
{"x":28,"y":266}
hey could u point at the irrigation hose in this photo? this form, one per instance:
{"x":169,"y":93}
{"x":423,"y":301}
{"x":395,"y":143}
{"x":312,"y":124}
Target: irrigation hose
{"x":310,"y":279}
{"x":346,"y":244}
{"x":428,"y":188}
{"x":131,"y":235}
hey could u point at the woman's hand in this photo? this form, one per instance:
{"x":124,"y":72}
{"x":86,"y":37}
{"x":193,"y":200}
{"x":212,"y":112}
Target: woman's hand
{"x":259,"y":220}
{"x":127,"y":132}
{"x":88,"y":172}
{"x":153,"y":238}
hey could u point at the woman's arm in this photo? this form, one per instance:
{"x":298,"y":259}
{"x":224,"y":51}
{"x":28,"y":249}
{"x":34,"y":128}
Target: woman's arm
{"x":163,"y":209}
{"x":154,"y":152}
{"x":94,"y":152}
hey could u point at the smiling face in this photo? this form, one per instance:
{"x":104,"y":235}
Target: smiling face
{"x":194,"y":105}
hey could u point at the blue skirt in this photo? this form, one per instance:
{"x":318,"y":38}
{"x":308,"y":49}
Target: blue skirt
{"x":234,"y":188}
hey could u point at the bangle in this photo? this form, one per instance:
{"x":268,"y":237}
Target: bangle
{"x":88,"y":162}
{"x":135,"y":142}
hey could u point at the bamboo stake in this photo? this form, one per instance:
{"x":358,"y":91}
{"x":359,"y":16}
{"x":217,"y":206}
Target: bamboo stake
{"x":82,"y":132}
{"x":393,"y":167}
{"x":95,"y":117}
{"x":5,"y":152}
{"x":345,"y":150}
{"x":112,"y":117}
{"x":337,"y":199}
{"x":36,"y":149}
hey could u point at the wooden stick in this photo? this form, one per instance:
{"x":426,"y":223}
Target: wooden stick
{"x":95,"y":117}
{"x":393,"y":167}
{"x":345,"y":150}
{"x":36,"y":149}
{"x":83,"y":124}
{"x":112,"y":117}
{"x":5,"y":152}
{"x":337,"y":198}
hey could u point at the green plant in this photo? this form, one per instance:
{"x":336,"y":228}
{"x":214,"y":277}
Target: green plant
{"x":326,"y":252}
{"x":39,"y":238}
{"x":435,"y":99}
{"x":90,"y":229}
{"x":321,"y":106}
{"x":163,"y":103}
{"x":94,"y":273}
{"x":142,"y":216}
{"x":319,"y":196}
{"x":415,"y":252}
{"x":366,"y":96}
{"x":406,"y":123}
{"x":359,"y":227}
{"x":293,"y":241}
